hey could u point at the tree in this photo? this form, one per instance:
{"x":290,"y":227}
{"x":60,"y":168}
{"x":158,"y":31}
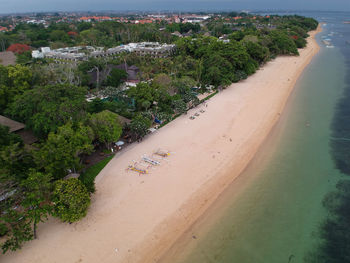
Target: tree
{"x":18,"y":230}
{"x":37,"y":189}
{"x":139,"y":126}
{"x":44,"y":109}
{"x":20,"y":78}
{"x":184,"y":83}
{"x":96,"y":105}
{"x":86,"y":67}
{"x":59,"y":35}
{"x":62,"y":150}
{"x":115,"y":77}
{"x":14,"y":221}
{"x":106,"y":127}
{"x":7,"y":137}
{"x":24,"y":58}
{"x":18,"y":48}
{"x":144,"y":95}
{"x":258,"y":52}
{"x":71,"y":200}
{"x":163,"y":81}
{"x":15,"y":161}
{"x":91,"y":36}
{"x":84,"y":26}
{"x":282,"y":44}
{"x":180,"y":106}
{"x":14,"y":80}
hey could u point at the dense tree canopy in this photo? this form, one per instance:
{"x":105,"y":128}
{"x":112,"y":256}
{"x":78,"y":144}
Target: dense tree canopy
{"x":7,"y":138}
{"x":60,"y":153}
{"x":115,"y":77}
{"x":37,"y":190}
{"x":139,"y":126}
{"x":106,"y":127}
{"x":44,"y":109}
{"x":14,"y":80}
{"x":71,"y":200}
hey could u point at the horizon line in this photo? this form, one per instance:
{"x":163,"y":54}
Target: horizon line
{"x":208,"y":10}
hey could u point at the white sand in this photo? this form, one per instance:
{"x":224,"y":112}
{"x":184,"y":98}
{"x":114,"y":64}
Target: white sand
{"x":137,"y":218}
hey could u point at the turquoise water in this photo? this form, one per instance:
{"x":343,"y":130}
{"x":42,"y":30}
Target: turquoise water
{"x":272,"y":212}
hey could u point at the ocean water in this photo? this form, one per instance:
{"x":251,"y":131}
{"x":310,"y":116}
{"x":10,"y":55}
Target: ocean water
{"x":273,"y":212}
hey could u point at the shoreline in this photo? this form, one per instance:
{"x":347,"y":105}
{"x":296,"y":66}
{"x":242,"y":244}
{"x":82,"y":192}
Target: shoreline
{"x":173,"y":249}
{"x":187,"y":242}
{"x":138,"y":218}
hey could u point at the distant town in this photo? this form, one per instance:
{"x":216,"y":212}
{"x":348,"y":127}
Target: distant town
{"x":9,"y":22}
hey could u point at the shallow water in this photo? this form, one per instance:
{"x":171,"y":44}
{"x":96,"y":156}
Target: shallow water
{"x":270,"y":214}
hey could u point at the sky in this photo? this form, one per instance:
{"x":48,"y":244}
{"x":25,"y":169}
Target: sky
{"x":19,"y":6}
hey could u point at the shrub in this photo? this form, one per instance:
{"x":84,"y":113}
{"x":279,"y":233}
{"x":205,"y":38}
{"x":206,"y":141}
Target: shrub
{"x":71,"y":200}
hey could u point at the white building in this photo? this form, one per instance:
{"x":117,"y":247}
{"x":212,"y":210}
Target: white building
{"x":153,"y":49}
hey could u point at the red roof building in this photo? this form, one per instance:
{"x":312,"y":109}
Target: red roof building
{"x":72,"y":34}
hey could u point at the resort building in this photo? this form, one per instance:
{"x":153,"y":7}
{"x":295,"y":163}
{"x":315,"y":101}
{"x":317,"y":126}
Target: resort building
{"x":153,"y":49}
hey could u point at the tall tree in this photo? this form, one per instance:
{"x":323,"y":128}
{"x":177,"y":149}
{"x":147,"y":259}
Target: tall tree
{"x":14,"y":80}
{"x":37,"y":189}
{"x":44,"y":109}
{"x":62,"y":150}
{"x":106,"y":127}
{"x":115,"y":77}
{"x":18,"y":227}
{"x":139,"y":126}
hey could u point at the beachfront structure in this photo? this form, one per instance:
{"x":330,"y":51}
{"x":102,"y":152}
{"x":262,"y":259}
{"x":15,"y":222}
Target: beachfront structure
{"x":80,"y":53}
{"x":69,"y":53}
{"x":153,"y":49}
{"x":19,"y":129}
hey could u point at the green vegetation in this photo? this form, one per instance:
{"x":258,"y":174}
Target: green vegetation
{"x":107,"y":33}
{"x":71,"y":200}
{"x":7,"y":138}
{"x":62,"y":150}
{"x":139,"y":126}
{"x":14,"y":80}
{"x":88,"y":177}
{"x":44,"y":109}
{"x":106,"y":127}
{"x":37,"y":189}
{"x":115,"y":78}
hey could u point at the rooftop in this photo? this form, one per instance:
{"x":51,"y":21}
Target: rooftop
{"x":13,"y":125}
{"x":7,"y":58}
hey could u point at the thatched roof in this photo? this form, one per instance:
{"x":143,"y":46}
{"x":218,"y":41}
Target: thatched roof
{"x":7,"y":58}
{"x":13,"y":125}
{"x":71,"y":175}
{"x":133,"y":73}
{"x":123,"y":120}
{"x":27,"y":136}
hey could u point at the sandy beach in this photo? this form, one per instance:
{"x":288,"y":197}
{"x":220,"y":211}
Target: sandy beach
{"x":137,"y":218}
